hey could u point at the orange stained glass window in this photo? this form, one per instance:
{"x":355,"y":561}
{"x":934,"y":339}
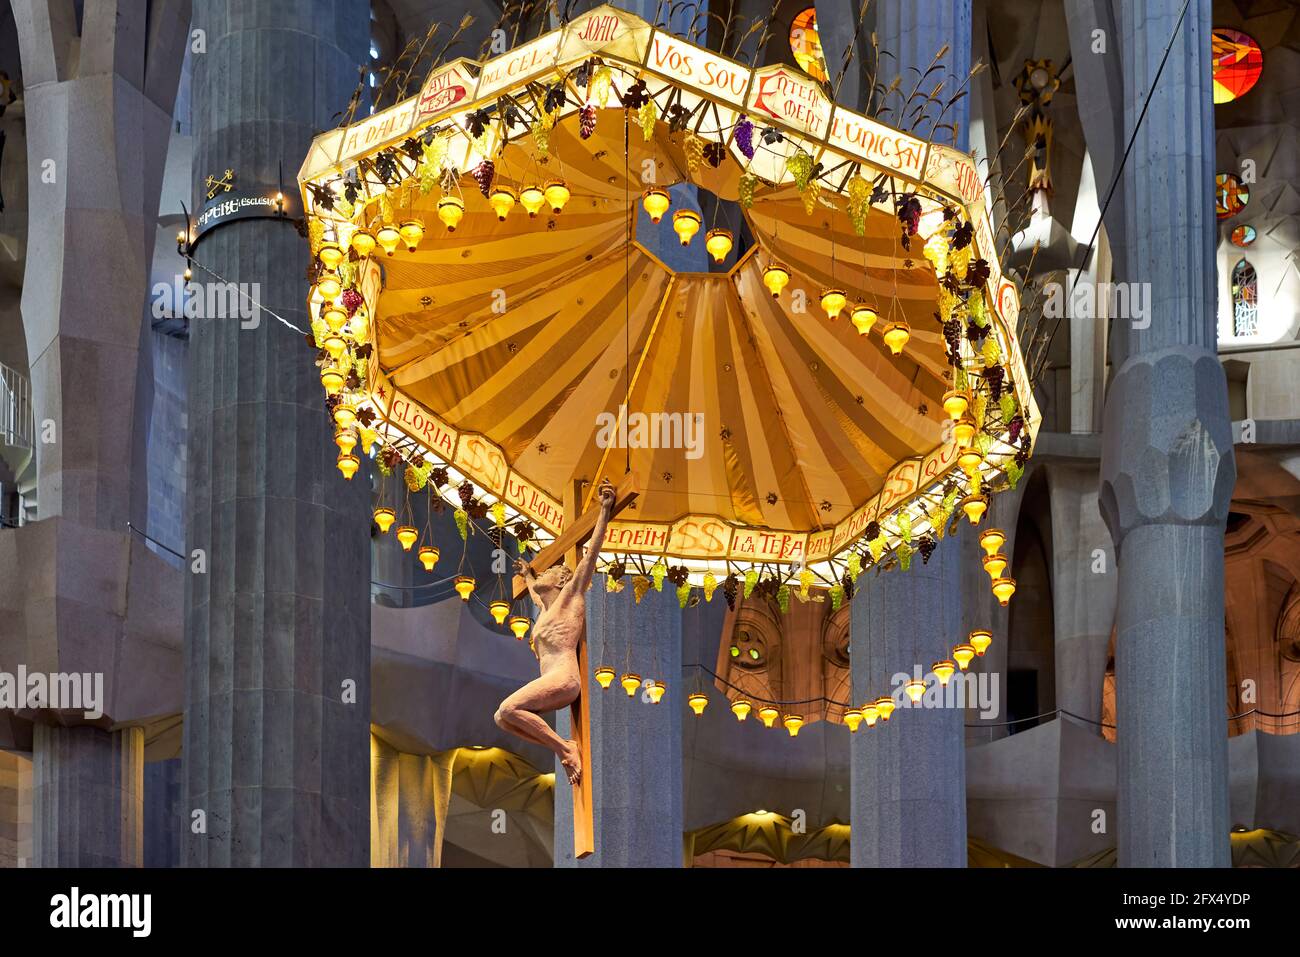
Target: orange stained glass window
{"x":1231,"y":197}
{"x":806,"y":45}
{"x":1238,"y":62}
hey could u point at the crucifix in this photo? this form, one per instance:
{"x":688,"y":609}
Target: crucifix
{"x":558,"y":579}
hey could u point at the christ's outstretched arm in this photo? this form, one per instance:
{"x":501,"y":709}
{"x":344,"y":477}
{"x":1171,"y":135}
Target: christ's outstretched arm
{"x":587,"y":566}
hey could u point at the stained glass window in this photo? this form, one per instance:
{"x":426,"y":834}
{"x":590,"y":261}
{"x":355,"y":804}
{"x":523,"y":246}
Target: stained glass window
{"x":1245,"y":299}
{"x":1243,"y":236}
{"x":1238,"y":61}
{"x":1232,"y":196}
{"x":806,"y":45}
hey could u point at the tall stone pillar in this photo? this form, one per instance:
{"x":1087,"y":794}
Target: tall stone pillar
{"x":1167,"y":460}
{"x":909,"y":776}
{"x":87,"y":796}
{"x":278,"y":628}
{"x":636,"y":747}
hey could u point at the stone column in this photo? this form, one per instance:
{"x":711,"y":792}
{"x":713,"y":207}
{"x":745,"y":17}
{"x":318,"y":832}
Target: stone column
{"x":87,"y":796}
{"x":278,"y":628}
{"x":15,"y":810}
{"x":908,"y":777}
{"x":1167,"y":461}
{"x":636,"y":747}
{"x":914,"y":33}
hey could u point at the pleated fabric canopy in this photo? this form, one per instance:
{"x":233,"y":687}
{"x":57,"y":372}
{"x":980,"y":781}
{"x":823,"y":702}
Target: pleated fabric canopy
{"x":529,"y":357}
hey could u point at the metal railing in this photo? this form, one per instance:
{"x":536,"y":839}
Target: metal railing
{"x":16,"y":421}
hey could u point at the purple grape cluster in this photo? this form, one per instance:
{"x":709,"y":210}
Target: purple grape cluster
{"x":952,"y":336}
{"x":926,"y":546}
{"x":483,"y":174}
{"x":745,"y":137}
{"x":466,"y":492}
{"x":730,"y":587}
{"x":587,"y":122}
{"x":993,"y":375}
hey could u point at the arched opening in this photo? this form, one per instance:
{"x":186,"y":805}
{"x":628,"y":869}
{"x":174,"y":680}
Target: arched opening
{"x":1245,"y":299}
{"x":1031,"y":632}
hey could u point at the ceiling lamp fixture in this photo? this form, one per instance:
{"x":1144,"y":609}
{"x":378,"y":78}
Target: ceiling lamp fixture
{"x":656,"y":692}
{"x":464,"y":586}
{"x":741,"y":708}
{"x":970,"y":459}
{"x":604,"y":676}
{"x":1003,"y":589}
{"x":519,"y":627}
{"x":330,"y":254}
{"x":955,"y":403}
{"x":834,"y":301}
{"x":656,"y":202}
{"x":992,"y":540}
{"x":499,"y":610}
{"x":974,"y":507}
{"x":411,"y":231}
{"x":630,"y":682}
{"x":885,"y":706}
{"x":531,"y":198}
{"x":686,"y":223}
{"x":915,"y":688}
{"x":775,"y":277}
{"x":502,"y":201}
{"x":853,"y":718}
{"x":406,"y":535}
{"x":718,"y":242}
{"x":768,"y":714}
{"x":870,"y":714}
{"x":557,"y":194}
{"x":384,"y":518}
{"x":329,"y":286}
{"x":896,"y":333}
{"x":345,"y":415}
{"x":335,"y":345}
{"x":995,"y":565}
{"x":335,"y":316}
{"x":363,"y":242}
{"x":698,"y":702}
{"x":429,"y":556}
{"x":943,"y":670}
{"x":348,"y":465}
{"x":863,"y":317}
{"x":346,"y":440}
{"x":331,"y":378}
{"x":451,"y":210}
{"x":963,"y":654}
{"x":793,"y":722}
{"x":389,"y":236}
{"x":980,"y":641}
{"x":964,"y":431}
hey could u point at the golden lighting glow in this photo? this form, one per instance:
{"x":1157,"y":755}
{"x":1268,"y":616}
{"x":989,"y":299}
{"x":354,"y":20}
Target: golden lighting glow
{"x":412,"y":231}
{"x":363,"y":242}
{"x":834,"y":301}
{"x":793,"y":722}
{"x":963,"y":654}
{"x":429,"y":555}
{"x":686,"y":223}
{"x":741,"y":708}
{"x":656,"y":692}
{"x":980,"y":641}
{"x":915,"y":688}
{"x":532,"y":198}
{"x":698,"y":702}
{"x":768,"y":714}
{"x":335,"y":316}
{"x":943,"y":670}
{"x":346,"y":440}
{"x":331,"y":378}
{"x":955,"y":403}
{"x":464,"y":585}
{"x":1003,"y":589}
{"x":870,"y":714}
{"x":775,"y":277}
{"x":604,"y":676}
{"x":329,"y":286}
{"x":863,"y":317}
{"x":896,"y":334}
{"x":718,"y":243}
{"x":335,"y":345}
{"x":388,"y":236}
{"x":451,"y":210}
{"x":348,"y":466}
{"x":519,"y":626}
{"x":499,"y":610}
{"x":656,"y":202}
{"x":964,"y":431}
{"x":502,"y":201}
{"x":974,"y":507}
{"x":992,"y":540}
{"x":853,"y":718}
{"x":970,"y":459}
{"x":358,"y":323}
{"x":384,"y":518}
{"x":345,"y":415}
{"x":557,"y":194}
{"x":330,"y":254}
{"x":885,"y":706}
{"x":407,"y":535}
{"x":995,"y":565}
{"x":630,"y":682}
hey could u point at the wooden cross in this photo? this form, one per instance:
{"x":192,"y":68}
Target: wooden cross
{"x":566,"y":547}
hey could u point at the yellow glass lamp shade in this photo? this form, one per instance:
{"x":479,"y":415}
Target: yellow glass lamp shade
{"x":335,"y":316}
{"x":980,"y":641}
{"x":330,"y":255}
{"x":499,"y":609}
{"x":768,"y":715}
{"x":363,"y":242}
{"x":384,"y":518}
{"x":853,"y":718}
{"x":741,"y":708}
{"x":718,"y":242}
{"x":775,"y":277}
{"x":896,"y":333}
{"x":970,"y":459}
{"x":885,"y":706}
{"x":502,"y":200}
{"x":335,"y":345}
{"x":995,"y":565}
{"x":698,"y":702}
{"x":348,"y":465}
{"x":518,"y":626}
{"x":992,"y":540}
{"x":358,"y":324}
{"x":863,"y":317}
{"x":532,"y":199}
{"x":915,"y":688}
{"x":346,"y":440}
{"x":656,"y":692}
{"x":870,"y":714}
{"x":451,"y":210}
{"x":955,"y":403}
{"x":656,"y":201}
{"x":964,"y":431}
{"x":329,"y":286}
{"x":388,"y":236}
{"x":557,"y":194}
{"x":428,"y":555}
{"x":833,"y":302}
{"x":411,"y":231}
{"x":604,"y":676}
{"x":1003,"y":589}
{"x":974,"y":507}
{"x":630,"y":682}
{"x":407,"y":535}
{"x":943,"y":670}
{"x":793,"y":722}
{"x":963,"y":654}
{"x":345,"y":415}
{"x":464,"y":585}
{"x":686,"y":223}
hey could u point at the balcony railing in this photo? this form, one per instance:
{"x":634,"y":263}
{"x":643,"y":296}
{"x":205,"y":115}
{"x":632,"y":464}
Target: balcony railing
{"x":16,"y":421}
